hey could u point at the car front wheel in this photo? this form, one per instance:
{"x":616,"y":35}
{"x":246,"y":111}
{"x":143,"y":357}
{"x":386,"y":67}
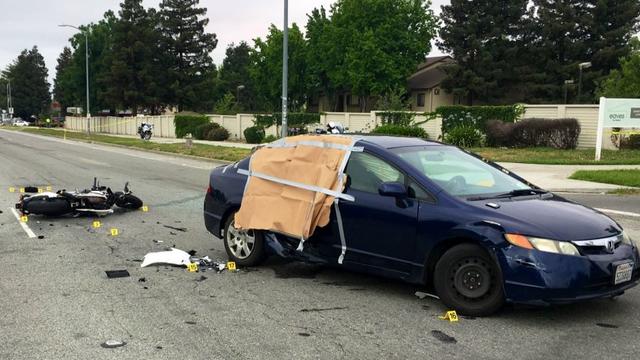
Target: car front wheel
{"x":468,"y":280}
{"x":244,"y":247}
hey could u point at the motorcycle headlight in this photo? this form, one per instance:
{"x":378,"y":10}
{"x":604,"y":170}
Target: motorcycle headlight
{"x":626,"y":239}
{"x":546,"y":245}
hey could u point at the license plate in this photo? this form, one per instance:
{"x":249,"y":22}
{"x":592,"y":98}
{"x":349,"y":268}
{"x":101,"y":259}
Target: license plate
{"x":623,"y":273}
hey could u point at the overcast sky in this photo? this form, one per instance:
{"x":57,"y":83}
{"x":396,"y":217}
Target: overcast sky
{"x":25,"y":23}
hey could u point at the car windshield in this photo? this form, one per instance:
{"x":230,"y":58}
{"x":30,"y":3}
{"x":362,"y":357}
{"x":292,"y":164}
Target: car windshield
{"x":459,"y":173}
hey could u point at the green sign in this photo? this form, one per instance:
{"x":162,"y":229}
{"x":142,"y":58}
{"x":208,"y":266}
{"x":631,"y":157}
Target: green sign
{"x":623,"y":113}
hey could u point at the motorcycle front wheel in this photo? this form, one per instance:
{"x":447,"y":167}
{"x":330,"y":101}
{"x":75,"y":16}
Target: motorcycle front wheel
{"x":147,"y":136}
{"x":129,"y":201}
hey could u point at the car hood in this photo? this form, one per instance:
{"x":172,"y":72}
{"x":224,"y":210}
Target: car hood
{"x":553,"y":217}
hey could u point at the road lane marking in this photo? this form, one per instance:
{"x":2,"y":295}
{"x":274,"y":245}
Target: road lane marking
{"x":24,"y":225}
{"x":618,"y":212}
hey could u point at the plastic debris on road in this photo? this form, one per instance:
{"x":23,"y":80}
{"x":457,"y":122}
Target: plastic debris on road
{"x":173,"y":257}
{"x":113,"y":274}
{"x":111,"y":344}
{"x":422,"y":295}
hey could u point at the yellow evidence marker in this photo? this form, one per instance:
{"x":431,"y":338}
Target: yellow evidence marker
{"x":96,"y":224}
{"x":114,"y":232}
{"x":49,"y":188}
{"x":12,"y":189}
{"x":231,"y":265}
{"x":24,"y":218}
{"x":192,"y":267}
{"x":22,"y":190}
{"x":145,"y":208}
{"x":452,"y":316}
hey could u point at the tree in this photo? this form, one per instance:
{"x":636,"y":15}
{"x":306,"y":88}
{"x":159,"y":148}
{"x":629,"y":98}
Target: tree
{"x":322,"y":57}
{"x":482,"y":37}
{"x":29,"y":86}
{"x":60,"y":83}
{"x":608,"y":29}
{"x":624,"y":82}
{"x":131,"y":80}
{"x":266,"y":70}
{"x":235,"y":73}
{"x":379,"y":43}
{"x":189,"y":70}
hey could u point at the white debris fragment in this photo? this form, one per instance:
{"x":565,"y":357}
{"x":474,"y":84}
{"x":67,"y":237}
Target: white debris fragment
{"x":173,"y":257}
{"x":422,"y":295}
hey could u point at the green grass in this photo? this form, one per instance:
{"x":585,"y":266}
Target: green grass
{"x":624,"y":177}
{"x":624,"y":191}
{"x":560,"y":157}
{"x":201,"y":150}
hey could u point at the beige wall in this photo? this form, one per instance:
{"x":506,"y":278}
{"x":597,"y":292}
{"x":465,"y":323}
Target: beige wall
{"x":587,"y":116}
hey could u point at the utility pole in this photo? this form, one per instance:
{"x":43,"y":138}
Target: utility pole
{"x":285,"y":68}
{"x":86,"y":63}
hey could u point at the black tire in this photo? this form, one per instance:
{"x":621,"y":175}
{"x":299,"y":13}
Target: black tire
{"x":256,"y":254}
{"x":147,"y":136}
{"x":469,"y":281}
{"x":129,"y":201}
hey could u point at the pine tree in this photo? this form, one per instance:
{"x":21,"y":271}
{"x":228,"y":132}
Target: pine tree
{"x":131,"y":81}
{"x":61,"y":91}
{"x":29,"y":85}
{"x":483,"y":39}
{"x":189,"y":69}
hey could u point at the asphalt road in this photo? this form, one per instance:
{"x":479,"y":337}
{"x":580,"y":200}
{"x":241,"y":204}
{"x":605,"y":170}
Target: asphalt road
{"x":57,"y":303}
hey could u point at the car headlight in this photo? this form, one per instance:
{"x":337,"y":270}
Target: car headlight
{"x":626,"y":239}
{"x":546,"y":245}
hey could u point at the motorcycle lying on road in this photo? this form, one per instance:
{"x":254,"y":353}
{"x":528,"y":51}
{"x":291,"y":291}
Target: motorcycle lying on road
{"x":98,"y":200}
{"x":145,"y":130}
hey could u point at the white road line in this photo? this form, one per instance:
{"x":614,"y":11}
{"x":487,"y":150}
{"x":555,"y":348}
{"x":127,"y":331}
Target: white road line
{"x":618,"y":212}
{"x":25,"y":227}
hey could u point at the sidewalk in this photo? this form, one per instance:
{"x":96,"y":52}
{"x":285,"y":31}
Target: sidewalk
{"x":160,"y":140}
{"x":556,"y":177}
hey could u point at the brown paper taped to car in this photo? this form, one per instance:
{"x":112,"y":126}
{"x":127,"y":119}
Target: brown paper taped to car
{"x":311,"y":160}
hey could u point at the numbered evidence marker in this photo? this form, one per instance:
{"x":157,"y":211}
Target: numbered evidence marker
{"x":192,"y":267}
{"x":49,"y":188}
{"x":24,"y":218}
{"x":96,"y":224}
{"x":22,"y":190}
{"x":12,"y":189}
{"x":114,"y":232}
{"x":231,"y":266}
{"x":452,"y":316}
{"x":40,"y":190}
{"x":145,"y":208}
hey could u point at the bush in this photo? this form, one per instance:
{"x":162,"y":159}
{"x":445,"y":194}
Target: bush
{"x":201,"y":131}
{"x":254,"y":134}
{"x":454,"y":116}
{"x":499,"y":133}
{"x":400,"y":118}
{"x":187,"y":124}
{"x":556,"y":133}
{"x":631,"y":142}
{"x":269,"y":139}
{"x":390,"y":129}
{"x":464,"y":136}
{"x":217,"y":134}
{"x":624,"y":141}
{"x":293,"y":119}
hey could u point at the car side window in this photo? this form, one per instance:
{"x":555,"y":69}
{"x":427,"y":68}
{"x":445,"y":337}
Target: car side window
{"x":366,"y":172}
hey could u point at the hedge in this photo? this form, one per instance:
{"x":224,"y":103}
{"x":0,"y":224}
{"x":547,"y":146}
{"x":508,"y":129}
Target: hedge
{"x":454,"y":116}
{"x":390,"y":129}
{"x":254,"y":134}
{"x":556,"y":133}
{"x":187,"y":124}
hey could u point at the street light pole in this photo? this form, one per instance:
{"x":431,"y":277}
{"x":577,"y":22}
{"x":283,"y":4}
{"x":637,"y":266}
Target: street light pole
{"x":285,"y":68}
{"x":86,"y":62}
{"x":581,"y":66}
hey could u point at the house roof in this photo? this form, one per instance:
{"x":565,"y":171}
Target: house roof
{"x":429,"y":73}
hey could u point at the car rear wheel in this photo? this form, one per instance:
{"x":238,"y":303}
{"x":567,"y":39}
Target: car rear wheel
{"x":468,"y":280}
{"x":244,"y":247}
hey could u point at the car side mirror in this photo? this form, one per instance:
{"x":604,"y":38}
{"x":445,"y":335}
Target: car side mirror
{"x":392,"y":188}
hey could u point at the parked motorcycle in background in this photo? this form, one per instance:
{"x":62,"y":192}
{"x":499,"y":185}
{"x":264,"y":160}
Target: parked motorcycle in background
{"x":332,"y":128}
{"x":98,"y":201}
{"x":145,"y":130}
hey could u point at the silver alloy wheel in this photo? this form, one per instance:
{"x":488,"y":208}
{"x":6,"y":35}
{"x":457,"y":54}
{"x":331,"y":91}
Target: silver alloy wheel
{"x":240,"y":242}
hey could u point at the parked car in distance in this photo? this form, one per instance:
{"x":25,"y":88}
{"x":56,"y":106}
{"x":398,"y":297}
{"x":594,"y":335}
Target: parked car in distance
{"x":20,"y":122}
{"x":425,"y":212}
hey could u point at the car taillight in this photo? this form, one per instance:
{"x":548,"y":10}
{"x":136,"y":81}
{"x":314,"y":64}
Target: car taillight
{"x":209,"y":189}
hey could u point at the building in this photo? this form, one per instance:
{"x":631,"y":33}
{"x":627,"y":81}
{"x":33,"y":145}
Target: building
{"x":424,"y":89}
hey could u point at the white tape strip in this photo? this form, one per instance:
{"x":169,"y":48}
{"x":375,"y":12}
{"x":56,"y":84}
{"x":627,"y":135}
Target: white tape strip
{"x":333,"y":193}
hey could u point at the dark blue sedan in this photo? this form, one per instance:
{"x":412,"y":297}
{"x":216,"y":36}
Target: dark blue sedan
{"x":430,"y":213}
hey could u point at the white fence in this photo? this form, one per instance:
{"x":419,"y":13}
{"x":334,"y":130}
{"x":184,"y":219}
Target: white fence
{"x":587,"y":116}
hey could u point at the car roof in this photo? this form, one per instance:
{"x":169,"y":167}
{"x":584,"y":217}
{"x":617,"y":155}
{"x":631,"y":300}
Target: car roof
{"x":390,"y":142}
